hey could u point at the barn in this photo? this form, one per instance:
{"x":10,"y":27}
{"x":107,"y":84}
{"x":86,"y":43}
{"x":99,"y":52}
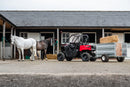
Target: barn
{"x":60,"y":25}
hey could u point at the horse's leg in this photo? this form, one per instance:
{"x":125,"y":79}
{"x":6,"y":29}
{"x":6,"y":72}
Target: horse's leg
{"x":31,"y":54}
{"x":35,"y":50}
{"x":42,"y":54}
{"x":45,"y":54}
{"x":22,"y":54}
{"x":19,"y":54}
{"x":38,"y":54}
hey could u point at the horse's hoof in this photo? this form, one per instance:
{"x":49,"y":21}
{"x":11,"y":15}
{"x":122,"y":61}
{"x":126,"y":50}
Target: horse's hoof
{"x":35,"y":56}
{"x":32,"y":60}
{"x":46,"y":59}
{"x":22,"y":60}
{"x":18,"y":60}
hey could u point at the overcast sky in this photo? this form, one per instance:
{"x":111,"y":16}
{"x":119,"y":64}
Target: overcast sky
{"x":100,"y":5}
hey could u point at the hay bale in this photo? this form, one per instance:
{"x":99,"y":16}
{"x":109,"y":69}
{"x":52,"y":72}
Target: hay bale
{"x":51,"y":56}
{"x":118,"y":49}
{"x":109,"y":39}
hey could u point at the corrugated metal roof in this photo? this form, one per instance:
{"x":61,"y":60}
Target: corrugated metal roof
{"x":69,"y":18}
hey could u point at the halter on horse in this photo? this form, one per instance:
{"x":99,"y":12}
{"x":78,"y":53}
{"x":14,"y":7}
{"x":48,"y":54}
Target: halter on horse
{"x":43,"y":45}
{"x":22,"y":44}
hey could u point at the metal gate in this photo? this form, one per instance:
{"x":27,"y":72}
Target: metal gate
{"x":8,"y":51}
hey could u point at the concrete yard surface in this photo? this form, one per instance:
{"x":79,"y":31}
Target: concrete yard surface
{"x":75,"y":73}
{"x":54,"y":66}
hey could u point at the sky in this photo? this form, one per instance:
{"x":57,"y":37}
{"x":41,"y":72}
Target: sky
{"x":83,"y":5}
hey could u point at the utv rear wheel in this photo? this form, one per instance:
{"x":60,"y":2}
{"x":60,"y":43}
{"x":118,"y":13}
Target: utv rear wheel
{"x":85,"y":56}
{"x":68,"y":59}
{"x":120,"y":59}
{"x":60,"y":56}
{"x":104,"y":58}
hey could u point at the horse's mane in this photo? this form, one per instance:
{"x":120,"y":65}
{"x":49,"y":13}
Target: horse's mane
{"x":18,"y":37}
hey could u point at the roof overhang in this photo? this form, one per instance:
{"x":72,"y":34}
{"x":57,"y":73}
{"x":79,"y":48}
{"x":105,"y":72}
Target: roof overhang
{"x":9,"y":24}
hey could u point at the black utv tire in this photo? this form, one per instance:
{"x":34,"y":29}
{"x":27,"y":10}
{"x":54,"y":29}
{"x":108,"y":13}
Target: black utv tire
{"x":92,"y":59}
{"x":85,"y":56}
{"x":60,"y":56}
{"x":68,"y":59}
{"x":104,"y":58}
{"x":120,"y":59}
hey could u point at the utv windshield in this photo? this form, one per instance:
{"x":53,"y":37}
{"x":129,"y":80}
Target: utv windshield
{"x":77,"y":38}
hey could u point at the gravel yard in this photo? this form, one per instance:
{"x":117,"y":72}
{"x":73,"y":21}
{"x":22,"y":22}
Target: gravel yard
{"x":74,"y":66}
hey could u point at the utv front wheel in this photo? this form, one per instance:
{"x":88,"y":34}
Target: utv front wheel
{"x":85,"y":56}
{"x":60,"y":56}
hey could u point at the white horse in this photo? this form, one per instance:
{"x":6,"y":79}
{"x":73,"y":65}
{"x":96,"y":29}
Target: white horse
{"x":22,"y":44}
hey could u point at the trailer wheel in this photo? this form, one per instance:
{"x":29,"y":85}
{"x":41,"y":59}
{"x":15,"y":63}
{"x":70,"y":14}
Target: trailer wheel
{"x":104,"y":58}
{"x":93,"y":59}
{"x":120,"y":59}
{"x":60,"y":56}
{"x":85,"y":56}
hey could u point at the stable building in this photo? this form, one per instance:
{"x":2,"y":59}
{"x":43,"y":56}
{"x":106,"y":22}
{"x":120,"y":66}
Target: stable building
{"x":60,"y":25}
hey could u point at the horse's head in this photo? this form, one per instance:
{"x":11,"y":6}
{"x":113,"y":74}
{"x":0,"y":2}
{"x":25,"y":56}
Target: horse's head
{"x":12,"y":39}
{"x":50,"y":41}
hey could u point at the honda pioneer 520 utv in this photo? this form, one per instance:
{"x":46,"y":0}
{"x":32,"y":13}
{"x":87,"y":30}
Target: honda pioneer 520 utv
{"x":78,"y":47}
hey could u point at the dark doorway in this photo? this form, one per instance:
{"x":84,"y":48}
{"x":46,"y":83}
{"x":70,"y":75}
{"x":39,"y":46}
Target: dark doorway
{"x":127,"y":38}
{"x":7,"y":39}
{"x":91,"y":38}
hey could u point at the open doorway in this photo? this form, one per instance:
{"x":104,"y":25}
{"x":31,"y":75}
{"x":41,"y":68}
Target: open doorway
{"x":45,"y":35}
{"x":92,"y":36}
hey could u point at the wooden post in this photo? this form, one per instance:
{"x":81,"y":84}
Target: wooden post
{"x":11,"y":44}
{"x":4,"y":26}
{"x":102,"y":32}
{"x":14,"y":45}
{"x":57,"y":40}
{"x":53,"y":43}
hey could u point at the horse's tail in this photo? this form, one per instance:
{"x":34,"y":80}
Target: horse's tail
{"x":34,"y":48}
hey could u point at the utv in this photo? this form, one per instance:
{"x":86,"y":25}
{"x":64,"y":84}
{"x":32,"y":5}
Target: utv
{"x":77,"y":48}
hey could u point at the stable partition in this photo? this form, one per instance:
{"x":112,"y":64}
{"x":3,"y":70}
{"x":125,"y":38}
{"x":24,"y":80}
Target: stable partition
{"x":8,"y":51}
{"x":0,"y":50}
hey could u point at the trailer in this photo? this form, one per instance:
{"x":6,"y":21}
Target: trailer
{"x":106,"y":51}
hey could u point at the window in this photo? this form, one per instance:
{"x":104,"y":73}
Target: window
{"x":108,"y":34}
{"x":65,"y":38}
{"x":24,"y":35}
